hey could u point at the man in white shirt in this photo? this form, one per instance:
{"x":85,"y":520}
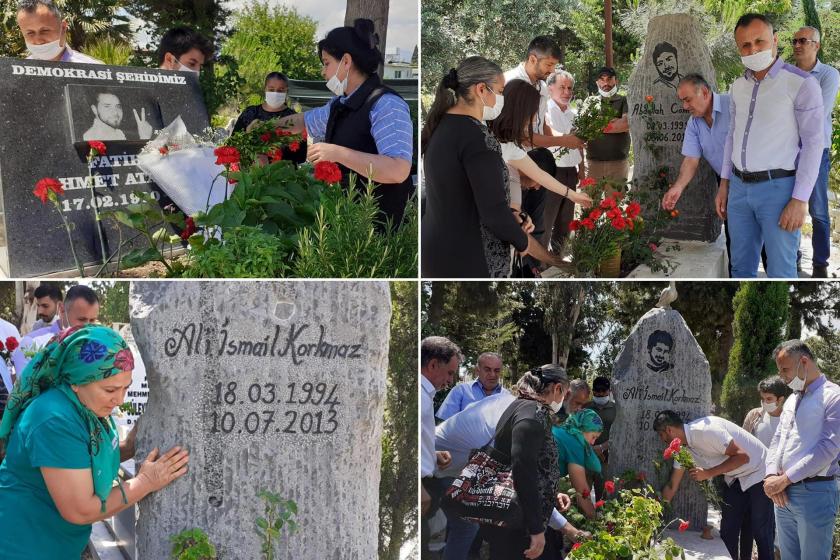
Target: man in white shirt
{"x":802,"y":467}
{"x":439,"y":362}
{"x":763,"y":421}
{"x":720,"y":447}
{"x":44,"y":30}
{"x":488,"y":374}
{"x":559,"y":211}
{"x":47,"y":299}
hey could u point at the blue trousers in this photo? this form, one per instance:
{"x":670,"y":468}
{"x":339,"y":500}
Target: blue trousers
{"x":754,"y":210}
{"x":806,"y":525}
{"x":818,"y":208}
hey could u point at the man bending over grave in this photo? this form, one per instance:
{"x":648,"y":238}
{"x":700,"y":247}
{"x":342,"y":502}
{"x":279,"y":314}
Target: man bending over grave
{"x":183,"y":49}
{"x":44,"y":30}
{"x":720,"y":447}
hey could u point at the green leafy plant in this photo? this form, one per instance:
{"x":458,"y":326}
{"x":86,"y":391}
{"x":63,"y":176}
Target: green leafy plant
{"x":111,"y":51}
{"x":279,"y":515}
{"x":247,"y":252}
{"x":192,"y":544}
{"x":345,"y":242}
{"x":591,"y":121}
{"x":265,"y":138}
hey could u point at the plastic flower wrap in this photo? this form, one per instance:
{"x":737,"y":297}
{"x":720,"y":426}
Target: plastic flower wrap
{"x":185,"y":168}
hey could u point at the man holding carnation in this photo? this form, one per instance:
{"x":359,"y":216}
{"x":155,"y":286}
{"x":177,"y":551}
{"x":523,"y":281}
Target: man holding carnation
{"x":718,"y":447}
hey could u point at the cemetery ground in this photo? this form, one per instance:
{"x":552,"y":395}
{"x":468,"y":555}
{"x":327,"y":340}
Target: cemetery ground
{"x":722,"y":336}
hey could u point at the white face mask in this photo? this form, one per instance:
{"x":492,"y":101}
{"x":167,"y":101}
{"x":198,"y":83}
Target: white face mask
{"x":491,"y":113}
{"x":610,"y":93}
{"x":758,"y":61}
{"x":338,"y":87}
{"x":797,"y":383}
{"x":601,"y":400}
{"x":770,"y":408}
{"x":555,"y":406}
{"x":184,"y":68}
{"x":47,"y":51}
{"x":275,"y":98}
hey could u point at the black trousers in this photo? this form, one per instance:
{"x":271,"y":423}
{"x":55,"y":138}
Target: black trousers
{"x":752,"y":503}
{"x":436,"y":489}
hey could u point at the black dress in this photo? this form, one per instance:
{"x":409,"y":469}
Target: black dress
{"x":524,"y":434}
{"x":467,"y":226}
{"x":256,"y":112}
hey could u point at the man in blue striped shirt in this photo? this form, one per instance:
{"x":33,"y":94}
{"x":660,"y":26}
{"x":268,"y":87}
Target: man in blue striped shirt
{"x":488,"y":373}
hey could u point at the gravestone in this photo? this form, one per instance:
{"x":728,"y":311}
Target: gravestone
{"x":661,"y":367}
{"x":138,"y":391}
{"x":674,"y":46}
{"x":276,"y":386}
{"x":47,"y":114}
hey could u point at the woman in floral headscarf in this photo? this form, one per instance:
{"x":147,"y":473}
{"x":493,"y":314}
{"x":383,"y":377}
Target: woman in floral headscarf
{"x":574,"y":439}
{"x":62,"y":448}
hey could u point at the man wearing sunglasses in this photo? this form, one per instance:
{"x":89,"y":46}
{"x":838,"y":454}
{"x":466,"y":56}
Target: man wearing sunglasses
{"x":806,"y":45}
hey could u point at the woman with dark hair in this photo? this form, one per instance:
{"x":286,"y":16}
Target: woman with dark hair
{"x":367,"y":128}
{"x":273,"y":106}
{"x":524,"y":435}
{"x":468,"y":226}
{"x":513,"y":128}
{"x":62,"y":448}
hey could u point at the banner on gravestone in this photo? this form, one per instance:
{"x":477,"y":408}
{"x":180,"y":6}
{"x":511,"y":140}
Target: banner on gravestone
{"x":660,"y":367}
{"x":276,"y":386}
{"x":674,"y":47}
{"x":49,"y":111}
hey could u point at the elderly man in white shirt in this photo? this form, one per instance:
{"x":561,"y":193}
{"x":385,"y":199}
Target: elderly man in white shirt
{"x":439,"y":361}
{"x":720,"y":447}
{"x":44,"y":30}
{"x":560,"y":116}
{"x":802,"y":467}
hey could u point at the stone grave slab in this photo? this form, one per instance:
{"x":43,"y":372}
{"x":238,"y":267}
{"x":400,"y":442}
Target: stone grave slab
{"x":661,"y":367}
{"x":674,"y":47}
{"x":48,"y":111}
{"x":275,"y":386}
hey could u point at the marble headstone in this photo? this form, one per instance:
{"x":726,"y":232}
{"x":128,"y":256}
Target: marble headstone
{"x":47,"y":115}
{"x":275,"y":386}
{"x":138,"y":391}
{"x":661,"y":367}
{"x":674,"y":47}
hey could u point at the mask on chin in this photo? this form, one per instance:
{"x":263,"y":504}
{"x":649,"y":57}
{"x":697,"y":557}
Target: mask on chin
{"x":338,"y":87}
{"x":610,"y":93}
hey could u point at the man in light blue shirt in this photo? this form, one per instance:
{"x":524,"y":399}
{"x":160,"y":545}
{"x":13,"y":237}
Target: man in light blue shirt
{"x":802,"y":469}
{"x":488,"y":372}
{"x":705,"y":135}
{"x":806,"y":45}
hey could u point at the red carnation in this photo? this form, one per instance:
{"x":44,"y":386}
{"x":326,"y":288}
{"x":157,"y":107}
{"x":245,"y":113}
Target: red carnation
{"x":576,"y":546}
{"x":97,"y":147}
{"x":588,"y":223}
{"x":588,"y":182}
{"x":304,"y":135}
{"x":608,"y":203}
{"x":574,"y":225}
{"x":608,"y":128}
{"x":189,"y":229}
{"x":45,"y":185}
{"x":652,"y":247}
{"x":275,"y":154}
{"x":675,"y":444}
{"x":163,"y":150}
{"x":599,"y":503}
{"x":327,"y":172}
{"x":614,"y":213}
{"x":683,"y":525}
{"x":233,"y":167}
{"x":2,"y":347}
{"x":649,"y":99}
{"x":596,"y":213}
{"x":619,"y":223}
{"x":633,"y":209}
{"x":294,"y":146}
{"x":641,"y":476}
{"x":225,"y":155}
{"x":11,"y":343}
{"x":668,"y":453}
{"x":609,"y":486}
{"x":266,"y":137}
{"x":675,"y":213}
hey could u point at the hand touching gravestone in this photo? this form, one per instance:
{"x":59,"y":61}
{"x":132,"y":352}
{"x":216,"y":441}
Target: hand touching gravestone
{"x":275,"y":387}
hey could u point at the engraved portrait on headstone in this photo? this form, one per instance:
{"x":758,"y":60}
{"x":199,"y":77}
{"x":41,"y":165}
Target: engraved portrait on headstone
{"x":659,"y":345}
{"x":667,"y":64}
{"x":112,"y":114}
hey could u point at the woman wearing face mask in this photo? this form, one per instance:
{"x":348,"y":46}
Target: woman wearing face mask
{"x":524,"y":435}
{"x":513,"y":129}
{"x":468,"y":226}
{"x":62,"y":448}
{"x":574,"y":439}
{"x":367,"y":128}
{"x":273,"y":106}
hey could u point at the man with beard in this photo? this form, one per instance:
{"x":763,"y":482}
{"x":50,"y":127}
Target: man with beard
{"x":107,"y":117}
{"x":47,"y":299}
{"x":659,"y":346}
{"x":667,"y":66}
{"x":606,"y":157}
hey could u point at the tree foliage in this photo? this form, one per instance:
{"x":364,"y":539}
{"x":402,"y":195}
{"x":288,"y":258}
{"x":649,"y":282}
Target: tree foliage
{"x":761,"y":315}
{"x":398,"y":486}
{"x":272,"y":39}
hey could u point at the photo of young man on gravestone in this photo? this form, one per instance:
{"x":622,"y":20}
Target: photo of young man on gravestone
{"x":665,"y":58}
{"x":186,"y":417}
{"x":722,"y":427}
{"x":113,"y":114}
